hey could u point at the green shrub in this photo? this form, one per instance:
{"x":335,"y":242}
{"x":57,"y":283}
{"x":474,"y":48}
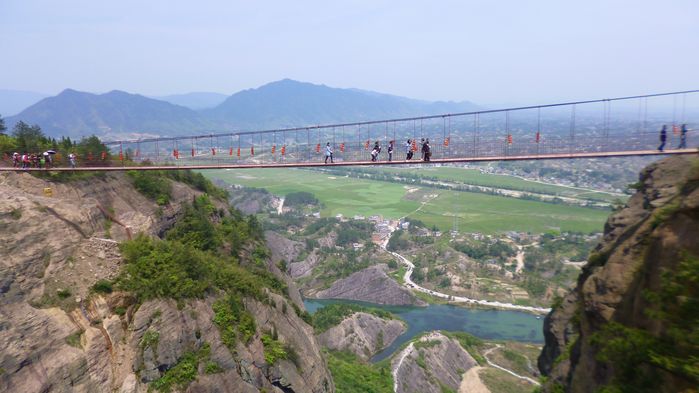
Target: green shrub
{"x":74,"y":339}
{"x":63,"y":293}
{"x":674,"y":349}
{"x":303,"y":314}
{"x":198,"y":181}
{"x":664,"y":213}
{"x":231,"y":318}
{"x":212,"y":368}
{"x":152,"y":184}
{"x":333,"y":314}
{"x":103,"y":286}
{"x":274,"y":349}
{"x":354,"y":376}
{"x":180,"y":375}
{"x":150,"y":340}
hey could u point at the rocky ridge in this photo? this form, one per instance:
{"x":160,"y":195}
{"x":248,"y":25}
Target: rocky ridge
{"x":58,"y":336}
{"x":615,"y":300}
{"x":371,"y":285}
{"x":430,"y":364}
{"x":362,"y":334}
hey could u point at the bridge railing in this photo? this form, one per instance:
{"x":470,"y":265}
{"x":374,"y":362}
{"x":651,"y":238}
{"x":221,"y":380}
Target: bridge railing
{"x":618,"y":124}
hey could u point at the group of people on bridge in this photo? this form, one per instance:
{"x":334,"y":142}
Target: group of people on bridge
{"x":683,"y":136}
{"x":410,"y":148}
{"x":44,"y":160}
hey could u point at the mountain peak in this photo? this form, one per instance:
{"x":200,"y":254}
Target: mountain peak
{"x":70,"y":91}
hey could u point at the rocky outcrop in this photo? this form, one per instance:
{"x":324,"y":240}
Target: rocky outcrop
{"x":603,"y":331}
{"x":284,"y":250}
{"x":189,"y":329}
{"x":305,"y":267}
{"x":362,"y":334}
{"x":57,"y":335}
{"x":430,"y":363}
{"x":370,"y":285}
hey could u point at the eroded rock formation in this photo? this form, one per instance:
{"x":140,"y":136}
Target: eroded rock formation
{"x":624,"y":325}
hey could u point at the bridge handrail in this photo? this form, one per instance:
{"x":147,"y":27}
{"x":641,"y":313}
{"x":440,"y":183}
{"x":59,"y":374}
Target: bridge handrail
{"x":369,"y":122}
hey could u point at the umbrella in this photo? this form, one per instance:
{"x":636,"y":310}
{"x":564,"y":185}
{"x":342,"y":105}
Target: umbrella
{"x":51,"y":151}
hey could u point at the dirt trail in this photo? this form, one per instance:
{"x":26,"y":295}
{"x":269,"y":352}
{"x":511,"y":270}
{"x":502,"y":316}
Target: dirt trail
{"x":472,"y":383}
{"x":497,"y":346}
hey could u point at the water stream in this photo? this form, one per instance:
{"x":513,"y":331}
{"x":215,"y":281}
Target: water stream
{"x":486,"y":324}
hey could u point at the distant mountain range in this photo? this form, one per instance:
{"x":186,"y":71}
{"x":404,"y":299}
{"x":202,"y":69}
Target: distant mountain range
{"x":284,"y":103}
{"x":114,"y":114}
{"x":14,"y":101}
{"x":196,"y":101}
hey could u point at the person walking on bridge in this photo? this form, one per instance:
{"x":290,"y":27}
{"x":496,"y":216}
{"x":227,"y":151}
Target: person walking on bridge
{"x":426,"y":153}
{"x":328,"y":153}
{"x":390,"y":150}
{"x":683,"y":137}
{"x":375,"y":152}
{"x":663,"y":137}
{"x":408,"y":150}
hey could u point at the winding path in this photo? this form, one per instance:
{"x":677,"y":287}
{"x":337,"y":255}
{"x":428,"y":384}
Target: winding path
{"x":485,"y":355}
{"x":399,"y":363}
{"x":455,"y":299}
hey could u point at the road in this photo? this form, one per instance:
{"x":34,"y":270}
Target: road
{"x":459,"y":299}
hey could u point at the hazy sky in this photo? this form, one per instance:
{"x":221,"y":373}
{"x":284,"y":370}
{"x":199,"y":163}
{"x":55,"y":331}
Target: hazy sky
{"x":502,"y":51}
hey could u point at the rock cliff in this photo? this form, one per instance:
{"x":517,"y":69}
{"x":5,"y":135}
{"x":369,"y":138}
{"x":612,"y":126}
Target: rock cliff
{"x":631,"y":322}
{"x":362,"y":334}
{"x":58,"y":335}
{"x":370,"y":285}
{"x":431,"y":364}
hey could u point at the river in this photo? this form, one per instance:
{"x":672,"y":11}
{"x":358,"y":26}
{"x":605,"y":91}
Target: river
{"x":486,"y":324}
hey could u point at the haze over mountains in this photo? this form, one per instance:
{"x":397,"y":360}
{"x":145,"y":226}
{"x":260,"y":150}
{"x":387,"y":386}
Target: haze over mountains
{"x":284,"y":103}
{"x":14,"y":101}
{"x":195,"y":100}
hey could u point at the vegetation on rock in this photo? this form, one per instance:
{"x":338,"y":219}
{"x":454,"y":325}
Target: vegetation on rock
{"x":353,"y":376}
{"x":333,"y":314}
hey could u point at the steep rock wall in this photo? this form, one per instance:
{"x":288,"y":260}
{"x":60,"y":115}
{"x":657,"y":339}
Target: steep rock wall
{"x":57,"y":336}
{"x":613,"y":309}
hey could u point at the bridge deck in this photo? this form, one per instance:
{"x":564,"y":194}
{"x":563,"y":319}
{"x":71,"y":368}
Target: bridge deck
{"x":369,"y":163}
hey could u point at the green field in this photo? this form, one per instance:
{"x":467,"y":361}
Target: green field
{"x":475,"y":212}
{"x":475,"y":177}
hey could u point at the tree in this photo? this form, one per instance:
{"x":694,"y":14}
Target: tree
{"x":3,"y":128}
{"x":91,"y":147}
{"x":7,"y":144}
{"x":29,"y":138}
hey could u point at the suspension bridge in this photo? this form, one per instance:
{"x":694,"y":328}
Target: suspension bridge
{"x":612,"y":127}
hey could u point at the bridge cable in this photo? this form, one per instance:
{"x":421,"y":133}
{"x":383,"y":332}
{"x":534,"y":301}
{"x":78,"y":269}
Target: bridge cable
{"x":572,"y":128}
{"x":538,"y":129}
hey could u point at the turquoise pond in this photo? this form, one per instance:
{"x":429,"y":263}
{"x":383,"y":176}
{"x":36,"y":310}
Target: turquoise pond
{"x":486,"y":324}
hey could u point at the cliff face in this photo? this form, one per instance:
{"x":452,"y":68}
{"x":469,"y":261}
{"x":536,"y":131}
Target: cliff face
{"x":362,"y":334}
{"x":58,"y":335}
{"x":431,"y":364}
{"x":631,"y":322}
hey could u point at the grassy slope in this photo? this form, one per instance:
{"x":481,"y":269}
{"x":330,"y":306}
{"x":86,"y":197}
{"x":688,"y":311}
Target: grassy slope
{"x":475,"y":212}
